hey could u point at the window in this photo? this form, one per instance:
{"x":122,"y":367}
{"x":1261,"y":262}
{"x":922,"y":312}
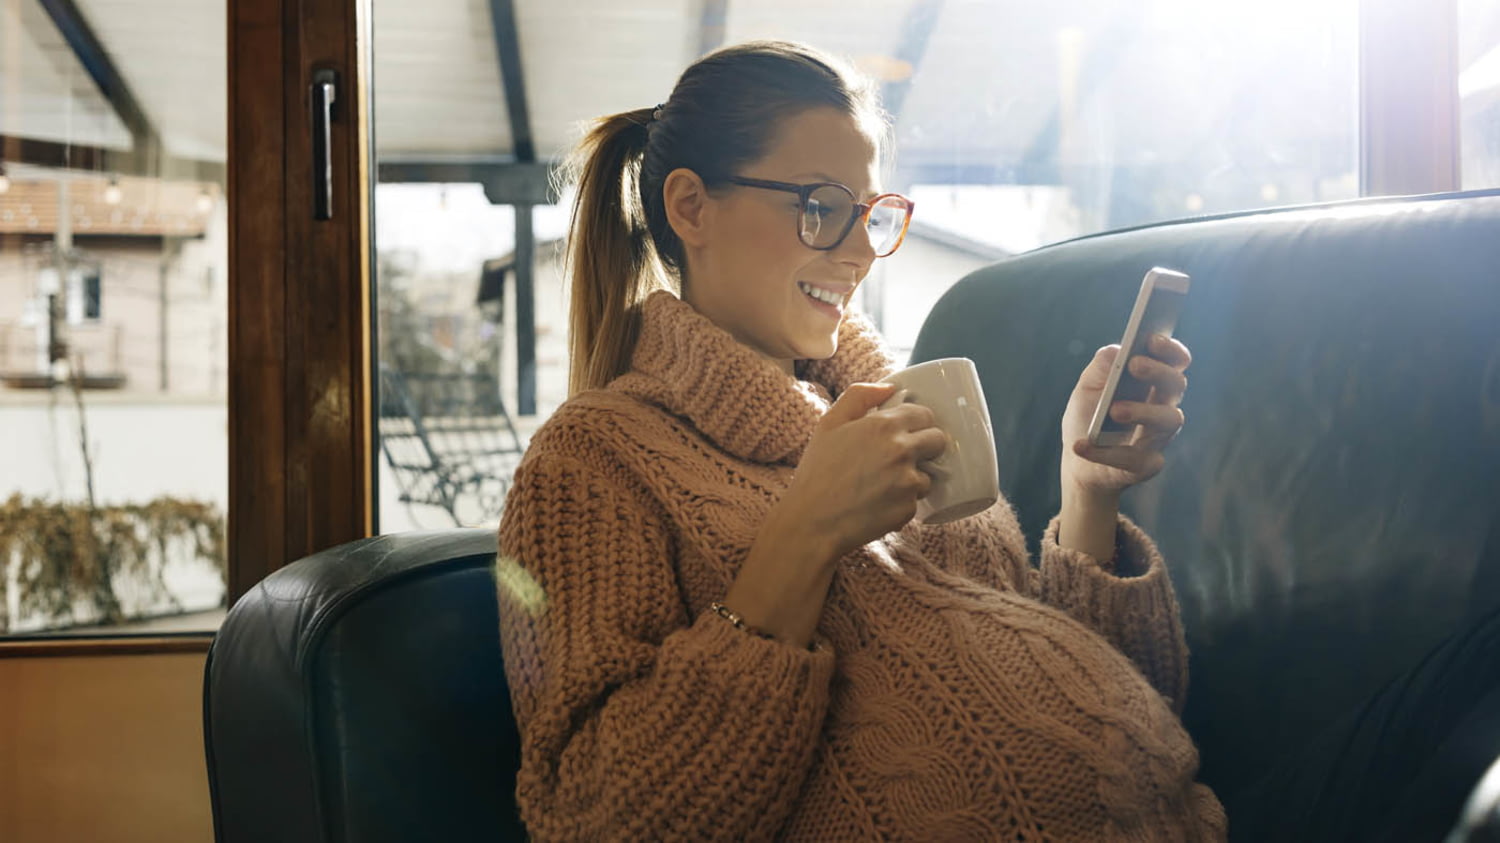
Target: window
{"x":113,"y":319}
{"x":1016,"y":125}
{"x":1479,"y":92}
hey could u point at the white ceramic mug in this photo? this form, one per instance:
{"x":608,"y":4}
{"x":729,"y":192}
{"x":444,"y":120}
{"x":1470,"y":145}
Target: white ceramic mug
{"x":965,"y":480}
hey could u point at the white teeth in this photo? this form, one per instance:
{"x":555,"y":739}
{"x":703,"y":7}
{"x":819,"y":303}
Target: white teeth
{"x":821,"y":294}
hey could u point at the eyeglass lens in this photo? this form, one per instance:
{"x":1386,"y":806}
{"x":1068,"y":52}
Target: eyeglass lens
{"x":827,"y":213}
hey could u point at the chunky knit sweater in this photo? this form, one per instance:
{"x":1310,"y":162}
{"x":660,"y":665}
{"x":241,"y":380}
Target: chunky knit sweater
{"x":955,"y":691}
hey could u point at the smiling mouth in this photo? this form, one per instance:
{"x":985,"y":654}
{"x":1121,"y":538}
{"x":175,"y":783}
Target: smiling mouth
{"x":822,"y":295}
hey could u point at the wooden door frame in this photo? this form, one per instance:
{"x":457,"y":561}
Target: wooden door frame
{"x":300,"y":439}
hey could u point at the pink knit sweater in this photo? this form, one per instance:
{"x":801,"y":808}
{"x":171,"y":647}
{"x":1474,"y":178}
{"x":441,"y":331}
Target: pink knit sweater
{"x":957,"y":692}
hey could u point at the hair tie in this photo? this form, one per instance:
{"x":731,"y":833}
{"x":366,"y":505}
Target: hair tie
{"x":656,"y":112}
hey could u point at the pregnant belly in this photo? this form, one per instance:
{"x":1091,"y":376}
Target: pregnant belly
{"x":1009,"y":713}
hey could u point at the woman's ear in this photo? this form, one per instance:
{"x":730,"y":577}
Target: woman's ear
{"x":690,"y":209}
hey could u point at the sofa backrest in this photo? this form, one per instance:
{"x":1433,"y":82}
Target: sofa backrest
{"x":359,"y":695}
{"x":1332,"y":508}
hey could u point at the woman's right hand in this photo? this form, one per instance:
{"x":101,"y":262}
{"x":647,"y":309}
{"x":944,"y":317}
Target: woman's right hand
{"x":859,"y":477}
{"x":857,"y":481}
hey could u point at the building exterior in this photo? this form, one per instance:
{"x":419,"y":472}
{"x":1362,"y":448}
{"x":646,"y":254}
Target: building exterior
{"x":139,"y":283}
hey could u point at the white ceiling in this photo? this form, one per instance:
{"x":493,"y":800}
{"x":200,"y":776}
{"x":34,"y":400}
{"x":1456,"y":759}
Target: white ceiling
{"x":991,"y":81}
{"x":1151,"y":80}
{"x":171,"y":54}
{"x":436,"y":80}
{"x":44,"y":91}
{"x":587,"y":58}
{"x":438,"y":89}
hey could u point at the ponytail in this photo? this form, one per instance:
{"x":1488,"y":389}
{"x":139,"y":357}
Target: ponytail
{"x":609,"y":251}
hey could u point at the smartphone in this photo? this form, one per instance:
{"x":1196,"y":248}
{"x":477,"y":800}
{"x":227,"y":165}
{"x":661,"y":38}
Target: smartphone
{"x":1155,"y":312}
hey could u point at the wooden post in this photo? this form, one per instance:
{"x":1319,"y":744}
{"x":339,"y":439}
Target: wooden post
{"x":1408,"y":100}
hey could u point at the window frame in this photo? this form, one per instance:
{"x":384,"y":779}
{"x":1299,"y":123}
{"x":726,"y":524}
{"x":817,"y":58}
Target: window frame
{"x":1409,"y":109}
{"x":302,"y":449}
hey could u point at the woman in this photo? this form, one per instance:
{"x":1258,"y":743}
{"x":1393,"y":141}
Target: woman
{"x":866,"y":676}
{"x":719,"y":619}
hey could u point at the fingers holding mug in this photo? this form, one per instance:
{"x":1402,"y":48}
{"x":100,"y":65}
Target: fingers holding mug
{"x":957,"y":450}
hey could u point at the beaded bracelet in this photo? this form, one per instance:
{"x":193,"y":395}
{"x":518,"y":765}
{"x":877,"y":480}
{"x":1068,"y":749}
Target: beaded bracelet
{"x":738,"y":622}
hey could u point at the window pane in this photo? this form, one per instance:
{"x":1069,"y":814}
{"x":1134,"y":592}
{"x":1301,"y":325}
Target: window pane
{"x":1479,"y":92}
{"x":446,"y":303}
{"x":1021,"y":124}
{"x":113,"y":317}
{"x":1016,"y":125}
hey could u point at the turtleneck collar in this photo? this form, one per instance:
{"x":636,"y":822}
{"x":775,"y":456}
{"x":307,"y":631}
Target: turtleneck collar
{"x":736,"y":397}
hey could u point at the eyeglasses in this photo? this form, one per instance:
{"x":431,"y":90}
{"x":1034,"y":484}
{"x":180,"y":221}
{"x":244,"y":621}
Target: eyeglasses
{"x":828,"y":211}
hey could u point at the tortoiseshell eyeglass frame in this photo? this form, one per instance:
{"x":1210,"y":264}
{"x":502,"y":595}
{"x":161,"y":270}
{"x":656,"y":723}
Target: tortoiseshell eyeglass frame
{"x":861,"y":215}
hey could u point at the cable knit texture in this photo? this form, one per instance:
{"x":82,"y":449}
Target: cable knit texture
{"x":956,"y":693}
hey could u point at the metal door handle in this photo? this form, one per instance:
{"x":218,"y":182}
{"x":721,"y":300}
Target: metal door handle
{"x":324,"y":95}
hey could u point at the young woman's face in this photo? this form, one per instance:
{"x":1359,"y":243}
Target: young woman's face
{"x":752,"y":274}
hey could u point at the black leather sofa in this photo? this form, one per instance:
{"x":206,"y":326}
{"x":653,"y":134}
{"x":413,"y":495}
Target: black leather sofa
{"x":1331,"y":511}
{"x":1332,"y":508}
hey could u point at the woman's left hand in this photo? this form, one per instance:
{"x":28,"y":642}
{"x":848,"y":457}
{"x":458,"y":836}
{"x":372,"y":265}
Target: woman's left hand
{"x":1108,"y":471}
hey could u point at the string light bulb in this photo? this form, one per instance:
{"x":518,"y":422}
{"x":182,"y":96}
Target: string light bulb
{"x":113,"y":194}
{"x":4,"y":181}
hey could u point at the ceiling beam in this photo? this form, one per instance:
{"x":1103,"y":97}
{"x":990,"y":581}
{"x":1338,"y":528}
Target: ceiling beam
{"x":916,"y":32}
{"x":101,"y":68}
{"x":513,"y":79}
{"x":523,"y":149}
{"x":1045,"y":153}
{"x":505,"y":182}
{"x":921,"y":19}
{"x":713,"y":21}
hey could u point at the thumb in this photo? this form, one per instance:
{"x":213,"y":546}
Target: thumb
{"x":1096,"y":374}
{"x":855,"y":402}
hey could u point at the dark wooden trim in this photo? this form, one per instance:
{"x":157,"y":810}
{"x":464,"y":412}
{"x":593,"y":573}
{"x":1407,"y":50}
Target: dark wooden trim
{"x":93,"y":159}
{"x":257,"y":262}
{"x":328,"y":459}
{"x":58,"y":156}
{"x":18,"y":647}
{"x":149,"y":244}
{"x":301,"y":452}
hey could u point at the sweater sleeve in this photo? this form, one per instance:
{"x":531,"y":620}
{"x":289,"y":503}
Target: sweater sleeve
{"x":1130,"y":602}
{"x":640,"y":718}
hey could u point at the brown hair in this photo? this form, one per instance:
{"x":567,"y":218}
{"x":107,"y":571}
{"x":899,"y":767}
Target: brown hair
{"x":720,"y":117}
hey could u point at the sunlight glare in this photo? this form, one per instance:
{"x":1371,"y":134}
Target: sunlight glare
{"x":516,"y":583}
